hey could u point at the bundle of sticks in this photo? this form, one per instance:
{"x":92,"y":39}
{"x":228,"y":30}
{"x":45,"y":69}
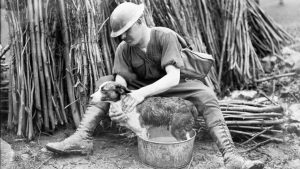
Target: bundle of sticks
{"x":56,"y":60}
{"x":266,"y":36}
{"x":250,"y":121}
{"x":247,"y":34}
{"x":35,"y":96}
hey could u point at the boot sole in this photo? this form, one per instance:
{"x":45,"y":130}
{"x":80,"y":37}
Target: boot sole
{"x":69,"y":152}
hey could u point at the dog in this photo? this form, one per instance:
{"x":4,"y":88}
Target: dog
{"x":177,"y":114}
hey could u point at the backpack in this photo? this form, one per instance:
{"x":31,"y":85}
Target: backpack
{"x":196,"y":65}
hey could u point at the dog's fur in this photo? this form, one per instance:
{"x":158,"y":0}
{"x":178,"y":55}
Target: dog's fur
{"x":175,"y":113}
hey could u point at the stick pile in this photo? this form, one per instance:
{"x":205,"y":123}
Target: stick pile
{"x":248,"y":121}
{"x":266,"y":36}
{"x":56,"y":60}
{"x":35,"y":97}
{"x":246,"y":34}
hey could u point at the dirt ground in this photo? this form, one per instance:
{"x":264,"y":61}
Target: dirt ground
{"x":115,"y":152}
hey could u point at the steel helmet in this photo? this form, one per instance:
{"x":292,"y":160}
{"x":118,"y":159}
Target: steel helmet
{"x":124,"y":16}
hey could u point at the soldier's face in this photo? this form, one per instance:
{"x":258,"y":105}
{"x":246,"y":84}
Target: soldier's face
{"x":133,"y":35}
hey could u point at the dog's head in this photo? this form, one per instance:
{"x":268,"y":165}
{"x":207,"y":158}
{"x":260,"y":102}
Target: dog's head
{"x":109,"y":92}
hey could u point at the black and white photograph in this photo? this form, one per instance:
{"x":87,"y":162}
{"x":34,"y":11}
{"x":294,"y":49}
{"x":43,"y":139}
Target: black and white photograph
{"x":150,"y":84}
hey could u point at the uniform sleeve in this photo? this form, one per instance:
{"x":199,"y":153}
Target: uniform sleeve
{"x":122,"y":64}
{"x":171,"y":54}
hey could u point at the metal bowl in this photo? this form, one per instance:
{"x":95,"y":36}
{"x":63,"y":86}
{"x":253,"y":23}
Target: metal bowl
{"x":165,"y":153}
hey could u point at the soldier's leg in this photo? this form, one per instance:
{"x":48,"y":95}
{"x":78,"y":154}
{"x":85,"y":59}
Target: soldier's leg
{"x":81,"y":141}
{"x":207,"y":105}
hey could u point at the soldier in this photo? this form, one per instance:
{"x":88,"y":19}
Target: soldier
{"x":148,"y":60}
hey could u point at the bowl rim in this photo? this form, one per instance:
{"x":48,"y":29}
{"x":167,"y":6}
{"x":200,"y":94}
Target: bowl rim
{"x":173,"y":142}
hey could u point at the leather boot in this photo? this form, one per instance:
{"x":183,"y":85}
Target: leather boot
{"x":81,"y":141}
{"x":232,"y":160}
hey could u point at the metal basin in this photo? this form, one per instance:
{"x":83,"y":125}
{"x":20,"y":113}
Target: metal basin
{"x":162,"y":150}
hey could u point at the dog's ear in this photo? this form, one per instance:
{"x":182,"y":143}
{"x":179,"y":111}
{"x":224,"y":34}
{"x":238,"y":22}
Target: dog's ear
{"x":122,"y":89}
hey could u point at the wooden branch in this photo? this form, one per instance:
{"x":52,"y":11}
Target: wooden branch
{"x":258,"y":145}
{"x":43,"y":95}
{"x":225,"y":103}
{"x":255,"y":128}
{"x":256,"y":135}
{"x":4,"y":50}
{"x":45,"y":63}
{"x":21,"y":116}
{"x":254,"y":109}
{"x":65,"y":37}
{"x":275,"y":77}
{"x":37,"y":92}
{"x":261,"y":135}
{"x":257,"y":122}
{"x":264,"y":94}
{"x":247,"y":114}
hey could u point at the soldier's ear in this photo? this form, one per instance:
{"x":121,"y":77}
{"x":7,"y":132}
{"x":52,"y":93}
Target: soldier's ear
{"x":122,"y":89}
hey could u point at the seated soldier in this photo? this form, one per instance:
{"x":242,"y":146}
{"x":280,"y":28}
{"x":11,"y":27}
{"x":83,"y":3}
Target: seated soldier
{"x":148,"y":60}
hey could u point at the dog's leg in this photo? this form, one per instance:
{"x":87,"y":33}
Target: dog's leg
{"x":181,"y":125}
{"x":134,"y":124}
{"x":188,"y":135}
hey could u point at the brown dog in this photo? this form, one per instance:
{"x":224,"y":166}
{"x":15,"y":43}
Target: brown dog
{"x":173,"y":112}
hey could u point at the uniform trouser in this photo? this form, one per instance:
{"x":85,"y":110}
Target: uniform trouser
{"x":202,"y":97}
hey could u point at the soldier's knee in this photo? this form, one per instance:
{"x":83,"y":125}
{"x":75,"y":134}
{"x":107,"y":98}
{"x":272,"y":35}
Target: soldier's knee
{"x":209,"y":94}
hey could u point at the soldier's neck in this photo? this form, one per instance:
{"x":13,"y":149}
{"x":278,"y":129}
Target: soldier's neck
{"x":145,"y":40}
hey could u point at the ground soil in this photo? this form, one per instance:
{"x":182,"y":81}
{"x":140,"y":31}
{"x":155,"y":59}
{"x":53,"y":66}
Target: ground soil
{"x":116,"y":152}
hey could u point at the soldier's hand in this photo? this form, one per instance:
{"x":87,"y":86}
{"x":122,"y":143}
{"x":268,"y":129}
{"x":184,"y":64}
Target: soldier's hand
{"x":117,"y":115}
{"x":130,"y":101}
